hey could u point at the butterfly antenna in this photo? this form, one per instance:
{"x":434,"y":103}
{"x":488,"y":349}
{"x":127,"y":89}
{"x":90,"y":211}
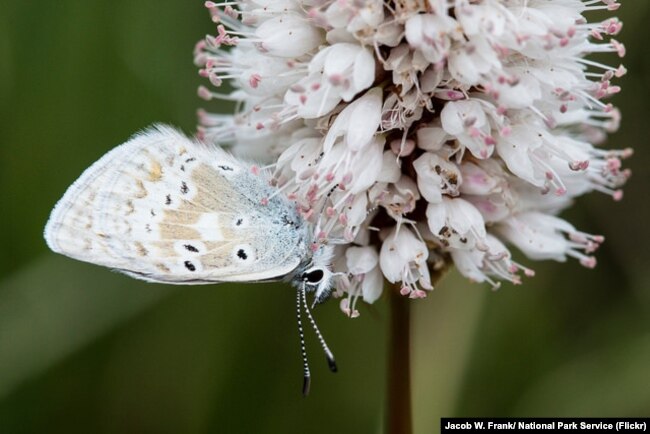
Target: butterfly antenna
{"x":328,"y":353}
{"x":307,"y":376}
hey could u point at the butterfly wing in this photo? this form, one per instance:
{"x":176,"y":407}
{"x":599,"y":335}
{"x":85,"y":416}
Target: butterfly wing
{"x":163,"y":208}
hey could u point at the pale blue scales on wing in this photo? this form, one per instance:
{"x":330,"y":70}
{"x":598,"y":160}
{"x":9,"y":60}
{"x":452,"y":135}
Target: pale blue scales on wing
{"x":167,"y":209}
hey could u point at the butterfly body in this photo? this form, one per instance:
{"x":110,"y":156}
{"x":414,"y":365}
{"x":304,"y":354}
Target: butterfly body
{"x":163,"y":208}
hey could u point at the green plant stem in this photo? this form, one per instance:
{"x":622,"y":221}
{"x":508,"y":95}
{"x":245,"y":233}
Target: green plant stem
{"x":398,"y":405}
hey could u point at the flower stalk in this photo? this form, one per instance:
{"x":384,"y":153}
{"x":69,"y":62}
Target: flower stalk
{"x":398,"y":397}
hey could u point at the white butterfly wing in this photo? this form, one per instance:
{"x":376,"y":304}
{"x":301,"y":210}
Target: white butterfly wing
{"x":163,"y":208}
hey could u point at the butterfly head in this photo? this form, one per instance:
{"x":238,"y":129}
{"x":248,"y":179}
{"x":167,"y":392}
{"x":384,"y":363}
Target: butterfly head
{"x":316,"y":276}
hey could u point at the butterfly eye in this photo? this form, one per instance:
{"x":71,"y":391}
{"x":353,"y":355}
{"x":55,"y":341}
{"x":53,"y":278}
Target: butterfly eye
{"x":313,"y":277}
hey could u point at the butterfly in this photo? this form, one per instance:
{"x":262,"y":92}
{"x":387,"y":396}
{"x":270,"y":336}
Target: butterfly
{"x":164,"y":208}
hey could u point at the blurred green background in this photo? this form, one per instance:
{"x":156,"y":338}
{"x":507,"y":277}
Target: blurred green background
{"x":84,"y":350}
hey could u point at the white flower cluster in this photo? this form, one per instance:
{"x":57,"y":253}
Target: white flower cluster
{"x":422,"y":132}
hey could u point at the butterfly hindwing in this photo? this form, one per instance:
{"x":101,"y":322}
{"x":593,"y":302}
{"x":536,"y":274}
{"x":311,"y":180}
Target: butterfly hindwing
{"x":164,"y":208}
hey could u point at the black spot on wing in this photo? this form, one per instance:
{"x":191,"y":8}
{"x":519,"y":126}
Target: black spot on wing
{"x":190,"y":266}
{"x":191,"y":248}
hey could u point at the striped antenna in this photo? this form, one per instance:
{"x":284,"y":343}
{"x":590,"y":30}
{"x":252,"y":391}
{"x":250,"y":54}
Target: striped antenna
{"x":328,"y":353}
{"x":307,"y":376}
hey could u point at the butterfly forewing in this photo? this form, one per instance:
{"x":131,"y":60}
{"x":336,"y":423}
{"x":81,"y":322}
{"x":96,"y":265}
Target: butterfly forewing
{"x":164,"y":208}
